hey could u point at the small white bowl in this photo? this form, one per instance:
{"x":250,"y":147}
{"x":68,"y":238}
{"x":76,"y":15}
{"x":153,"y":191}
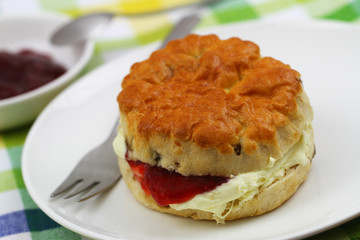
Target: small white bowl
{"x":33,"y":32}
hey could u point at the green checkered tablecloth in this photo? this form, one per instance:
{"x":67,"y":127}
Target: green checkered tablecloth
{"x":20,"y":218}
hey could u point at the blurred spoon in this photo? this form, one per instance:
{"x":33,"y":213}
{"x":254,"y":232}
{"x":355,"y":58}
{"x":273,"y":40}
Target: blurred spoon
{"x":81,"y":28}
{"x":89,"y":25}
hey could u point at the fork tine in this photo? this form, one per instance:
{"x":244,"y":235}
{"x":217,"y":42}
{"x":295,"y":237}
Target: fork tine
{"x":65,"y":185}
{"x":95,"y":190}
{"x":98,"y":188}
{"x":82,"y":186}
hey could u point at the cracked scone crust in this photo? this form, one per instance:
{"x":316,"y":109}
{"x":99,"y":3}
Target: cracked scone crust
{"x":205,"y":106}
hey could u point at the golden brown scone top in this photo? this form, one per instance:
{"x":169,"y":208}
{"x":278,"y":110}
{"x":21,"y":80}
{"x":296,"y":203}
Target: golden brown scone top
{"x":216,"y":94}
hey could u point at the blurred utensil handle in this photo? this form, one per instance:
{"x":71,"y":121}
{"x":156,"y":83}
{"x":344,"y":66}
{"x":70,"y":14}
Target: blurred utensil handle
{"x":182,"y":28}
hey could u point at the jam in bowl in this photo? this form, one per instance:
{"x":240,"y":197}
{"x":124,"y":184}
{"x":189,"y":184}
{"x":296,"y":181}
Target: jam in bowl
{"x":34,"y":71}
{"x":26,"y":70}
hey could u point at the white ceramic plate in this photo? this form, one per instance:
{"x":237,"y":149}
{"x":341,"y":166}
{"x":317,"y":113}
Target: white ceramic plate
{"x":327,"y":55}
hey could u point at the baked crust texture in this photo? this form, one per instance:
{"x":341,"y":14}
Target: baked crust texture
{"x":205,"y":106}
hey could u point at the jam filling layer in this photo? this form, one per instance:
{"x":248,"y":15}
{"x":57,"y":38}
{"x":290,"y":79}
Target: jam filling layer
{"x":168,"y":187}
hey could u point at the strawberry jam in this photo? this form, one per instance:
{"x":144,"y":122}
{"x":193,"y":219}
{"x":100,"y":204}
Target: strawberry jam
{"x":168,"y":187}
{"x":24,"y":71}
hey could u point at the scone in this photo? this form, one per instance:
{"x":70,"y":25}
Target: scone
{"x":209,"y":129}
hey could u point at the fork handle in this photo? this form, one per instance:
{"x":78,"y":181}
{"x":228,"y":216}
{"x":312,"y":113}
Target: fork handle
{"x":182,"y":28}
{"x":113,"y":132}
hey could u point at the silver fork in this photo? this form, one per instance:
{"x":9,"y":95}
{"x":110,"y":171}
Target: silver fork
{"x":98,"y":170}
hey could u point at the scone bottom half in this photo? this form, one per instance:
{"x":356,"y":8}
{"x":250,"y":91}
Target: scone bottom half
{"x":209,"y":129}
